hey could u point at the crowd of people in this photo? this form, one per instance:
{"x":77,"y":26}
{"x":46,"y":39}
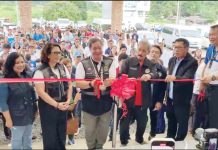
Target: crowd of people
{"x":99,"y":57}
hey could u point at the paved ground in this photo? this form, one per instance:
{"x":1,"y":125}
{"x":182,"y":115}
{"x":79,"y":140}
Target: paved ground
{"x":189,"y":143}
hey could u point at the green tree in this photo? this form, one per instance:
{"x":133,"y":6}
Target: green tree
{"x":190,"y":8}
{"x":94,"y":10}
{"x":164,"y":9}
{"x":58,"y":9}
{"x":82,"y":7}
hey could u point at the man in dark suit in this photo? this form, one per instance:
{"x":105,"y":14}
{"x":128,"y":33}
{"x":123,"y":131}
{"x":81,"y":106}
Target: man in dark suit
{"x":158,"y":89}
{"x":181,"y":66}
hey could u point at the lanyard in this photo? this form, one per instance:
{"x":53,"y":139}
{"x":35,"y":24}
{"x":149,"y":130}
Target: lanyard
{"x":97,"y":72}
{"x":214,"y":54}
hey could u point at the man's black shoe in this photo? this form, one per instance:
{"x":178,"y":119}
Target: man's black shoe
{"x":124,"y":143}
{"x":179,"y":139}
{"x":141,"y":142}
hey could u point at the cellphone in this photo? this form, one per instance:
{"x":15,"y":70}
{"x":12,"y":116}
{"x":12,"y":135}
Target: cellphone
{"x":212,"y":144}
{"x":162,"y":143}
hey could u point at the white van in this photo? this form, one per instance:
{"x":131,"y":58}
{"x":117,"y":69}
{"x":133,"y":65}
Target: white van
{"x":172,"y":32}
{"x":204,"y":30}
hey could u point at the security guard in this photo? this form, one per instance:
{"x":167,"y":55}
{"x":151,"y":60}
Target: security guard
{"x":54,"y":97}
{"x":143,"y":69}
{"x":96,"y":112}
{"x":210,"y":77}
{"x":158,"y":89}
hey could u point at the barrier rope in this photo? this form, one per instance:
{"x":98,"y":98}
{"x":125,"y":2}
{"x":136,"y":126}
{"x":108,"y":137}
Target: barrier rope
{"x":20,"y":80}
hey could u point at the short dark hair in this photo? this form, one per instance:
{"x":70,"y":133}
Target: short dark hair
{"x":47,"y":51}
{"x":94,"y":40}
{"x":123,"y":46}
{"x":28,"y":57}
{"x":122,"y":56}
{"x":214,"y":26}
{"x":185,"y":42}
{"x":159,"y":48}
{"x":6,"y":46}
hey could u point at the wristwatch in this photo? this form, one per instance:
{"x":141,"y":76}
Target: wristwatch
{"x":213,"y":78}
{"x":90,"y":84}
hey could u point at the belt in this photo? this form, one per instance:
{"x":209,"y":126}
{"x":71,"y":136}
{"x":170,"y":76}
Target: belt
{"x":93,"y":94}
{"x":211,"y":87}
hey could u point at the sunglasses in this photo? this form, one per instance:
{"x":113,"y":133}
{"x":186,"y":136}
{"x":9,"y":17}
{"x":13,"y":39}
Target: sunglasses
{"x":56,"y":53}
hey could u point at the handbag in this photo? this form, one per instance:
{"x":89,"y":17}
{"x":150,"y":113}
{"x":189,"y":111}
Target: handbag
{"x":72,"y":125}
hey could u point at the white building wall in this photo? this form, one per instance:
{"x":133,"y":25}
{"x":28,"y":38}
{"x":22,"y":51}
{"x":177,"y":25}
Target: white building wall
{"x":133,"y":11}
{"x":106,"y":9}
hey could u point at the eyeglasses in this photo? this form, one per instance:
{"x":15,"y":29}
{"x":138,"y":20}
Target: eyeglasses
{"x":179,"y":47}
{"x":56,"y":53}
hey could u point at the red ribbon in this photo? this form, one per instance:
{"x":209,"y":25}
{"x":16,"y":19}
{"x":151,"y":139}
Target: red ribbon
{"x":97,"y":90}
{"x":201,"y":96}
{"x":138,"y":98}
{"x":18,"y":80}
{"x":124,"y":89}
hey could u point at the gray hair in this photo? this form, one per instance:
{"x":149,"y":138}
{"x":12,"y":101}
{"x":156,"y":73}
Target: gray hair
{"x":146,"y":44}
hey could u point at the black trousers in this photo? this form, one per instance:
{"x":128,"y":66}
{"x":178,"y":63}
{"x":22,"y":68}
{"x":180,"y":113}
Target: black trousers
{"x":200,"y":113}
{"x":153,"y":121}
{"x":212,"y":96}
{"x":141,"y":118}
{"x":53,"y":123}
{"x":178,"y":117}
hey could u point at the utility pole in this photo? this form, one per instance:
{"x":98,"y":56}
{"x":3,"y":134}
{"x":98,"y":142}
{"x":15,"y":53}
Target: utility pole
{"x":178,"y":12}
{"x":17,"y":12}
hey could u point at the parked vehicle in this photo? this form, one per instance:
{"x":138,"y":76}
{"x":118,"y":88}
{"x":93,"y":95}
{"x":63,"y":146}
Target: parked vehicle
{"x":81,"y":24}
{"x":150,"y":36}
{"x":172,"y":32}
{"x":204,"y":31}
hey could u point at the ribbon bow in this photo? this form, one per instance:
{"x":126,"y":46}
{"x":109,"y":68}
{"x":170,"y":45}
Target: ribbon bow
{"x":124,"y":89}
{"x":201,"y":96}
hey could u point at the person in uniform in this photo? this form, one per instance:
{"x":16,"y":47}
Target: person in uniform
{"x":181,"y":66}
{"x":96,"y":112}
{"x":210,"y":77}
{"x":143,"y":69}
{"x":158,"y":89}
{"x":54,"y":97}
